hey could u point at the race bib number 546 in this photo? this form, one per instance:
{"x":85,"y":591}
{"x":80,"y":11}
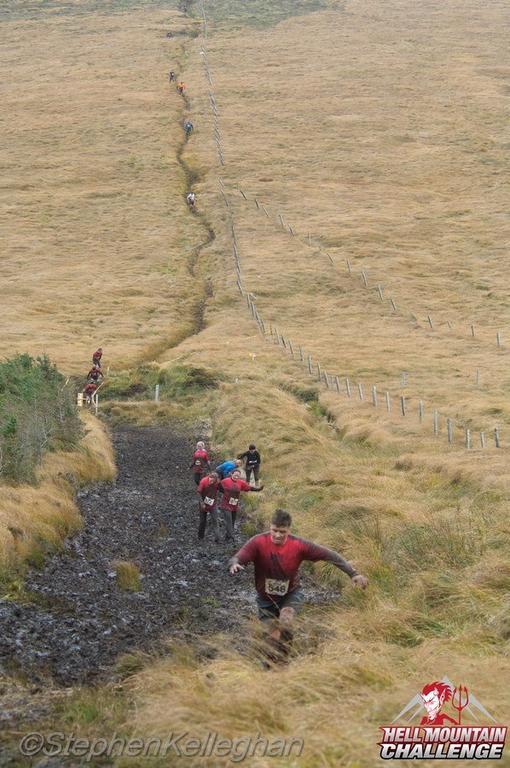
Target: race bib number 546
{"x":276,"y":587}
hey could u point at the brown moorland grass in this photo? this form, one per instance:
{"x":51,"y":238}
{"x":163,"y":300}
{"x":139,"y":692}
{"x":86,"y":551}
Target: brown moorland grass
{"x":35,"y":519}
{"x":317,"y":105}
{"x":382,"y":133}
{"x":95,"y":241}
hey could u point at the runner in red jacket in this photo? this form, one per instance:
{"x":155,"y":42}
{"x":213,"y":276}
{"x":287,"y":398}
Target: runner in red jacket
{"x":231,"y":489}
{"x":277,"y":556}
{"x":200,"y":462}
{"x":96,"y":357}
{"x":208,"y":491}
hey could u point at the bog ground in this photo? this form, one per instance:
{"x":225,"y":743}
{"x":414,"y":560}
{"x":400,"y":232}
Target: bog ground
{"x":379,"y":133}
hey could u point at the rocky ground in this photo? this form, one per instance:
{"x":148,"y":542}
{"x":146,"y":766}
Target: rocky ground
{"x":80,"y":621}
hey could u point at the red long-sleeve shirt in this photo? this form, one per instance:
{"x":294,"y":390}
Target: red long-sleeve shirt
{"x":277,"y":566}
{"x":231,"y":491}
{"x":208,"y":492}
{"x":200,"y":462}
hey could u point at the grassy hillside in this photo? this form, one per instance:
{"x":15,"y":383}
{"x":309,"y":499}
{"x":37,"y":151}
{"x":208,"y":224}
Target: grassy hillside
{"x":379,"y":131}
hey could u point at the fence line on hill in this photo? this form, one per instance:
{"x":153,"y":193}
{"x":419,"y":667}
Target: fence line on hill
{"x":341,"y":384}
{"x":376,"y":287}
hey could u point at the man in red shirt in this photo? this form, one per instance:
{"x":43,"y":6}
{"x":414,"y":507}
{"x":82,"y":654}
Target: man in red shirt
{"x":95,"y":373}
{"x":277,"y":556}
{"x":200,"y":462}
{"x":89,"y":391}
{"x":96,"y":357}
{"x":208,"y":491}
{"x":231,"y":489}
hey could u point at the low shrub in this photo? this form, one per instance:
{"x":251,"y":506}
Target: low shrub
{"x":37,"y":414}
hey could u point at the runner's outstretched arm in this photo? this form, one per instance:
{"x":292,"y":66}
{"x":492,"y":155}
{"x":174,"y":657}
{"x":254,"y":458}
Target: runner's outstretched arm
{"x":314,"y":552}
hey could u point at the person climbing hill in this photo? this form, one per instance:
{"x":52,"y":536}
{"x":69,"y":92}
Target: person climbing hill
{"x":231,"y":489}
{"x":277,"y":556}
{"x":200,"y":462}
{"x":89,"y":391}
{"x":251,"y":458}
{"x":96,"y":357}
{"x":225,"y":468}
{"x":95,"y":373}
{"x":208,"y":492}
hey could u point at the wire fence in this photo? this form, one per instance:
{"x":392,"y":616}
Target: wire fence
{"x":376,"y":287}
{"x":438,"y":423}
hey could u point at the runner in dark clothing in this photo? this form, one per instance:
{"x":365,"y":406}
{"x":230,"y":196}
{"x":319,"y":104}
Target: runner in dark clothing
{"x":231,"y":489}
{"x":208,"y":491}
{"x":251,"y":458}
{"x":95,"y":373}
{"x":277,"y":556}
{"x":200,"y":462}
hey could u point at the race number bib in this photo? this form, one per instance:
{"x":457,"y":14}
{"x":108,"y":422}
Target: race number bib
{"x":276,"y":587}
{"x":209,"y":501}
{"x":233,"y":501}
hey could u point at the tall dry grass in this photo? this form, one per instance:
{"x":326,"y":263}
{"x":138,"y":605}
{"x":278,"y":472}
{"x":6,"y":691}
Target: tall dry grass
{"x":96,"y":242}
{"x":380,"y":130}
{"x":35,"y":519}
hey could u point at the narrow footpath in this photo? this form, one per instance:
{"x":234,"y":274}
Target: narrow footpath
{"x":79,"y":620}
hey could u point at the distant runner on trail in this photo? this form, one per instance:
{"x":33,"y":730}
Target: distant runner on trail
{"x":227,"y":467}
{"x":200,"y":462}
{"x":252,"y":462}
{"x":89,"y":390}
{"x":277,"y":556}
{"x":191,"y":199}
{"x":96,"y":357}
{"x":188,"y":127}
{"x":171,"y":76}
{"x":208,"y":492}
{"x":181,"y":88}
{"x":95,"y":373}
{"x":231,"y":489}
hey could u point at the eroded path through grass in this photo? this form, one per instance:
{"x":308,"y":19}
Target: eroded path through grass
{"x":80,"y":621}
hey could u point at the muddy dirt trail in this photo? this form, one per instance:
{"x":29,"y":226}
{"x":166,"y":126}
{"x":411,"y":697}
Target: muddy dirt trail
{"x":80,"y":621}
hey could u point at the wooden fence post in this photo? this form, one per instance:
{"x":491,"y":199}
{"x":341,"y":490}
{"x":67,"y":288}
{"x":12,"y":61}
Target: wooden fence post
{"x":360,"y":391}
{"x":374,"y":396}
{"x":496,"y":437}
{"x":348,"y":387}
{"x":403,"y":405}
{"x":420,"y":411}
{"x":449,"y":430}
{"x":436,"y":423}
{"x":388,"y":402}
{"x":468,"y":438}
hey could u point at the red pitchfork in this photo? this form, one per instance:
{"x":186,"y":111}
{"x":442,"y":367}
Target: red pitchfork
{"x":460,"y":699}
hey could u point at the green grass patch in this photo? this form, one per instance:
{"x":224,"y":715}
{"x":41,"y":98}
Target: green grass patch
{"x":259,"y":13}
{"x":180,"y":381}
{"x":37,"y":414}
